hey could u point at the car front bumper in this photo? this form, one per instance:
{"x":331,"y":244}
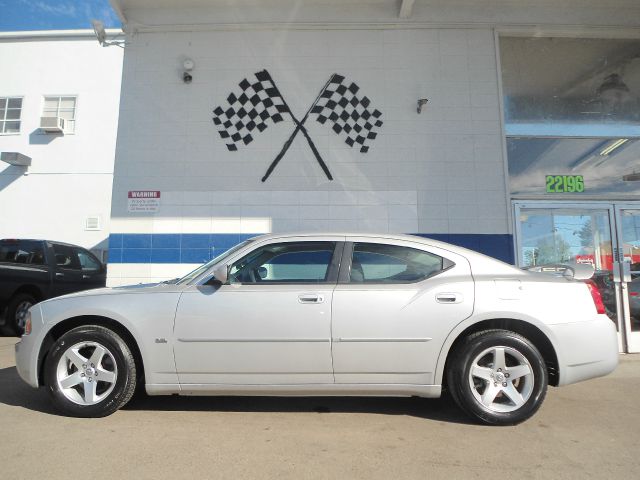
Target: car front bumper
{"x":27,"y":350}
{"x":586,"y":349}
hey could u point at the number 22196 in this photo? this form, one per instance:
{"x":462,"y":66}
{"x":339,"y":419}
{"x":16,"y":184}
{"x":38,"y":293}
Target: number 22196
{"x":565,"y":183}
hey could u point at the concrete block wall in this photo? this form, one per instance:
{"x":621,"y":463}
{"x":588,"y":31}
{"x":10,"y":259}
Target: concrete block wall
{"x":437,"y":173}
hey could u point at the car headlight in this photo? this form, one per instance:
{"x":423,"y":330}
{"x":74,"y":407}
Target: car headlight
{"x":27,"y":323}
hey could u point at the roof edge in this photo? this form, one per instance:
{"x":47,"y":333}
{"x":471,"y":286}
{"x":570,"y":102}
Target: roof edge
{"x":117,"y":7}
{"x":88,"y":33}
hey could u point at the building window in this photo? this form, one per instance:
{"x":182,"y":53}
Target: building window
{"x":62,"y":107}
{"x":572,"y":116}
{"x":10,"y":110}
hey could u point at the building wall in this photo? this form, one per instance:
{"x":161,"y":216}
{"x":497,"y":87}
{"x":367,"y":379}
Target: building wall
{"x":440,"y":172}
{"x":71,"y":175}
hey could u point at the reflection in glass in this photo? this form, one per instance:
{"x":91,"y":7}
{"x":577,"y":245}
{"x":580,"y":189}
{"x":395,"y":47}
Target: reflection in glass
{"x":608,"y":166}
{"x":631,"y":249}
{"x":551,"y":236}
{"x":571,"y":87}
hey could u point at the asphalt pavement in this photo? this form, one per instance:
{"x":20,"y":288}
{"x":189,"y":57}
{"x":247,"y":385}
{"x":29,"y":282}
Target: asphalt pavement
{"x":583,"y":431}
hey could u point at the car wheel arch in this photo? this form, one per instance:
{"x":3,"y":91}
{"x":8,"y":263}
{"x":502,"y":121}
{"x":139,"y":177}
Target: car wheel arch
{"x":68,"y":324}
{"x":527,"y":329}
{"x":32,"y":290}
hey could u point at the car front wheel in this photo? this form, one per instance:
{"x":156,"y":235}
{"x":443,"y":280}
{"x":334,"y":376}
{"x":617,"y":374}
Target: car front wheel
{"x":497,"y":377}
{"x":90,"y":372}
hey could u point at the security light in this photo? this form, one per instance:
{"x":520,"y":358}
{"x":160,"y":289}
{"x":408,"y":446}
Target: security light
{"x":98,"y":29}
{"x":101,"y":35}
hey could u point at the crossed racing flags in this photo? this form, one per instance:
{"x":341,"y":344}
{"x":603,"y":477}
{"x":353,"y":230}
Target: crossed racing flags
{"x":260,"y":101}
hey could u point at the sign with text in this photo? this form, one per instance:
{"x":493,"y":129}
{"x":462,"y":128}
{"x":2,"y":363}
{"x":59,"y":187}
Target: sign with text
{"x":143,"y":201}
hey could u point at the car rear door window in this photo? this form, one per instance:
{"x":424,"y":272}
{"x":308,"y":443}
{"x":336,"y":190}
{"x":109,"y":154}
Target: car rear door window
{"x":383,"y":263}
{"x":291,"y":262}
{"x":66,"y":257}
{"x":24,"y":252}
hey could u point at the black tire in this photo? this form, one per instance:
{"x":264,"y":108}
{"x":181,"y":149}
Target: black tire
{"x":15,"y":319}
{"x":121,"y":362}
{"x":502,"y":410}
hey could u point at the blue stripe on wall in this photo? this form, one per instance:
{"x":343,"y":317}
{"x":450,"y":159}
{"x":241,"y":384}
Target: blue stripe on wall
{"x":202,"y":247}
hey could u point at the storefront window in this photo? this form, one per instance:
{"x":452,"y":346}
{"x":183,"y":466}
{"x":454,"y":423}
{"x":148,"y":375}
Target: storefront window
{"x":571,"y":87}
{"x":572,"y":116}
{"x":571,"y":168}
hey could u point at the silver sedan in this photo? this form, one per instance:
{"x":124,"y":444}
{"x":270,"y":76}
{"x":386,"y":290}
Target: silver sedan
{"x":334,"y":314}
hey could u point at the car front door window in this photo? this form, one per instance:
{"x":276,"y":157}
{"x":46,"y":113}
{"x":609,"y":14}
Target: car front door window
{"x":292,"y":262}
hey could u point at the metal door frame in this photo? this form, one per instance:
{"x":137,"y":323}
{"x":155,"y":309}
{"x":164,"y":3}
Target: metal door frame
{"x":632,"y":339}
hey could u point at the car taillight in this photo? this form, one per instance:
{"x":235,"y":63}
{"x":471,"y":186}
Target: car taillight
{"x":597,"y":298}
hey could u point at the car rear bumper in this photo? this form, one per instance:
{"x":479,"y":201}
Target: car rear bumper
{"x":586,"y":349}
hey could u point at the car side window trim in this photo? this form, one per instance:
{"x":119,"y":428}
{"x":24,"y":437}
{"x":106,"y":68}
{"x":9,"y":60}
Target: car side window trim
{"x":344,"y":277}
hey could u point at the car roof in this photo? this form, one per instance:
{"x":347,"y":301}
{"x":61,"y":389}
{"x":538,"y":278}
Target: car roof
{"x":40,"y":240}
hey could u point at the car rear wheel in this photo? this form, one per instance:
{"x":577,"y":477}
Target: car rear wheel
{"x":17,"y":310}
{"x":498,"y":377}
{"x":90,"y":372}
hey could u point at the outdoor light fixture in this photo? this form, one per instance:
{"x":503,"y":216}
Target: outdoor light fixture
{"x":421,"y":103}
{"x":101,"y":35}
{"x":616,"y":144}
{"x":188,"y":65}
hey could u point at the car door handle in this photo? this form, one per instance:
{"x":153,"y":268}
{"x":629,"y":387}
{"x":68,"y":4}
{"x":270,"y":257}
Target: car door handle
{"x":310,"y":298}
{"x":86,"y":276}
{"x":58,"y":274}
{"x":448,"y":298}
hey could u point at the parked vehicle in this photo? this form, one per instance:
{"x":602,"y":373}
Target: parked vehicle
{"x":333,"y":314}
{"x":35,"y":270}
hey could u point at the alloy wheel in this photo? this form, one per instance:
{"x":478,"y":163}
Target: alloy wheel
{"x":86,"y":373}
{"x":501,"y":379}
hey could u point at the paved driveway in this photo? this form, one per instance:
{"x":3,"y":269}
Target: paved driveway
{"x":589,"y":430}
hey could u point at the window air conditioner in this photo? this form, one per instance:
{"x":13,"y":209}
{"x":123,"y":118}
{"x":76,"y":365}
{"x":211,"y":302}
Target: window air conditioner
{"x":52,"y":124}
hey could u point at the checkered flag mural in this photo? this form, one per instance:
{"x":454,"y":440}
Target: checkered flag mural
{"x":350,"y":114}
{"x":258,"y":102}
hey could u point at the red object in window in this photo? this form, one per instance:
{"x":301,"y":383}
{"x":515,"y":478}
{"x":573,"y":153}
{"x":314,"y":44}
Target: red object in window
{"x":597,"y":298}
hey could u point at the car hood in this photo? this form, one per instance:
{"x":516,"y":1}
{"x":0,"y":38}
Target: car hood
{"x":124,"y":290}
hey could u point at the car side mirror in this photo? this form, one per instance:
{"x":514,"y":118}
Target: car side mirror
{"x":221,"y":273}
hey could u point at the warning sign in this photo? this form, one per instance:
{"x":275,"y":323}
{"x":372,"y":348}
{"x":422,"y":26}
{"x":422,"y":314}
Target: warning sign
{"x":143,"y":201}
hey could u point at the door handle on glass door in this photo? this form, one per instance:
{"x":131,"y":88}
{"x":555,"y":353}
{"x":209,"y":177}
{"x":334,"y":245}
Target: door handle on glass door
{"x":310,"y":298}
{"x":448,"y":298}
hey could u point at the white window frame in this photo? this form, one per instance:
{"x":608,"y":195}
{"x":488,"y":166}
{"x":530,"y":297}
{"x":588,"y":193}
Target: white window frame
{"x":3,"y":118}
{"x":68,"y":130}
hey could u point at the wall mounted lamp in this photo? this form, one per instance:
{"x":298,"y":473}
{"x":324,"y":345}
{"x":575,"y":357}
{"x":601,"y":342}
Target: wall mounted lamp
{"x":188,"y":65}
{"x":421,"y":103}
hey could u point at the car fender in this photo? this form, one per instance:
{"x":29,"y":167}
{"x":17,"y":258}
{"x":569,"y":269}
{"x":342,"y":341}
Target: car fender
{"x":149,"y":319}
{"x":486,"y":316}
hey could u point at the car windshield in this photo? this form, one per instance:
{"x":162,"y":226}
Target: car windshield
{"x":203,"y":268}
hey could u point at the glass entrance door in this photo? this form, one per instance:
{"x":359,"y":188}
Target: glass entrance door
{"x":628,"y":266}
{"x":548,"y":234}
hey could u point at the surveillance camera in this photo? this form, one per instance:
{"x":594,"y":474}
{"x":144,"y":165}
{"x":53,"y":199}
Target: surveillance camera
{"x":186,"y":77}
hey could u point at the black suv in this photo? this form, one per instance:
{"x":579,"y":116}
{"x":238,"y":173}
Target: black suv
{"x":34,"y":270}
